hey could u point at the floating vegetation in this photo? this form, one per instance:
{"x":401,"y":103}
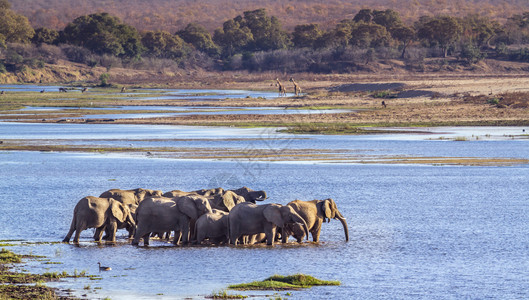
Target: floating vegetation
{"x":278,"y":283}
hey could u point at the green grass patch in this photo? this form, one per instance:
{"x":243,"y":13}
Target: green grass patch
{"x":279,"y":282}
{"x":7,"y":257}
{"x":223,"y":294}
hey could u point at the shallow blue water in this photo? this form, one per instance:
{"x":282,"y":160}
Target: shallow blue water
{"x":416,"y":231}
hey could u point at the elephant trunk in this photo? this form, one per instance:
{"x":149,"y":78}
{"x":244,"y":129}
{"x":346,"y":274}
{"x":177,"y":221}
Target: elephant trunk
{"x":261,"y":196}
{"x":298,"y":219}
{"x":344,"y":223}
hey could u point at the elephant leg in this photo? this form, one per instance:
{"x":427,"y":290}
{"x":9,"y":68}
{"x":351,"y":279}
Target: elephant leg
{"x":112,"y":228}
{"x":270,"y":235}
{"x":177,"y":237}
{"x":146,"y":238}
{"x":99,"y":233}
{"x":192,"y":224}
{"x":316,"y":232}
{"x":200,"y":235}
{"x":78,"y":231}
{"x":285,"y":233}
{"x":185,"y":233}
{"x":131,"y":232}
{"x":69,"y":235}
{"x":140,"y":232}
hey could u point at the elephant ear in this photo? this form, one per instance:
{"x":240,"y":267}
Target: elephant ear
{"x":326,"y":208}
{"x":117,"y":210}
{"x":140,"y":194}
{"x":273,"y":214}
{"x":187,"y":206}
{"x":228,"y":200}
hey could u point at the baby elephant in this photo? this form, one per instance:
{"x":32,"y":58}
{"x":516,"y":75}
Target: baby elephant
{"x":99,"y":213}
{"x":214,"y":226}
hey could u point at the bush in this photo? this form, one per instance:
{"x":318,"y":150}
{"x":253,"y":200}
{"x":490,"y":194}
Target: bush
{"x":471,"y":54}
{"x":104,"y":79}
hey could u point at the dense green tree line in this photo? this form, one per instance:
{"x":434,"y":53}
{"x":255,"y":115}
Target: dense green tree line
{"x":257,"y":41}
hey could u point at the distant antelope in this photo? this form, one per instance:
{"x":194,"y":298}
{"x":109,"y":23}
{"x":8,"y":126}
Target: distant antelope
{"x":123,"y":89}
{"x":281,"y":87}
{"x":297,"y":89}
{"x":84,"y":90}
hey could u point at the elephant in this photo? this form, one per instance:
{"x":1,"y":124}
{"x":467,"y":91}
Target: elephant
{"x":249,"y":219}
{"x":161,"y":214}
{"x":225,"y":201}
{"x":212,"y":225}
{"x":210,"y":192}
{"x":177,"y":193}
{"x":250,"y":195}
{"x":314,"y":213}
{"x":218,"y":198}
{"x":130,"y":197}
{"x":99,"y":213}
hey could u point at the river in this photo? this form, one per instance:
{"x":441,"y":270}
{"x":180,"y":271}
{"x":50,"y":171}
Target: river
{"x":416,"y":230}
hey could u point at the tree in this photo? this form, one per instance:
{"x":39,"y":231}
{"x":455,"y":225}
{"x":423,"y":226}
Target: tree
{"x":364,"y":15}
{"x":4,"y":4}
{"x":479,"y":30}
{"x":162,"y":44}
{"x":14,"y":28}
{"x":405,"y":35}
{"x":388,"y":18}
{"x":253,"y":32}
{"x":103,"y":34}
{"x":200,"y":38}
{"x":442,"y":31}
{"x":45,"y":36}
{"x":232,"y":37}
{"x":306,"y":35}
{"x":267,"y":32}
{"x":369,"y":35}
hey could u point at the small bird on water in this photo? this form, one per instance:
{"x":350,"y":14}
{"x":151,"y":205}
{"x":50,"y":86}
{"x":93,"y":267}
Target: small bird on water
{"x":103,"y":268}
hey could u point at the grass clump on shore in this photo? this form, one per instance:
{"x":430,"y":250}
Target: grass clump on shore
{"x":223,"y":294}
{"x":7,"y":257}
{"x":279,"y":282}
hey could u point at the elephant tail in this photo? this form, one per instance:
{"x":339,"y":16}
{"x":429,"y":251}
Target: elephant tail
{"x":72,"y":229}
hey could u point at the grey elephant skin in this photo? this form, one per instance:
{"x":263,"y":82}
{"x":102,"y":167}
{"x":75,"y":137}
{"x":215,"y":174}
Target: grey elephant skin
{"x":161,"y":214}
{"x":130,"y":197}
{"x":223,"y":199}
{"x":250,"y":219}
{"x":213,"y":226}
{"x":314,"y":213}
{"x":99,"y":213}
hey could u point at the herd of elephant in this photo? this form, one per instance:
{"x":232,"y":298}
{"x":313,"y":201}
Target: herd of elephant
{"x":215,"y":216}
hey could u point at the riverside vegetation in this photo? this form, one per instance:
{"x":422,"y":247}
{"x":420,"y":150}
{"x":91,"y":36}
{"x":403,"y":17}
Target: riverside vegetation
{"x":22,"y":285}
